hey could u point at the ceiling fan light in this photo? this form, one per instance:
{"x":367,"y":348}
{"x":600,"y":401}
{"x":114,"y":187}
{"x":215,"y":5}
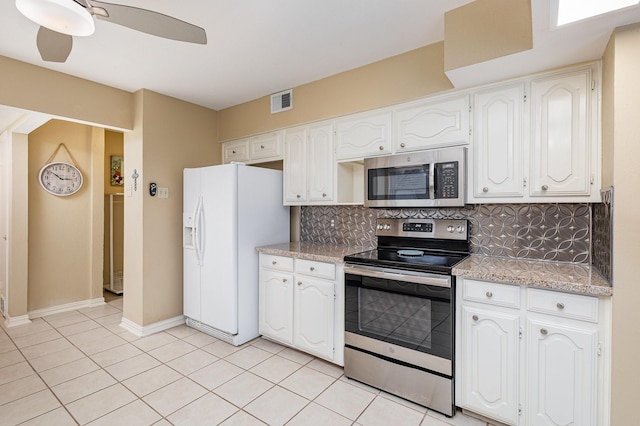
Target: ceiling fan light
{"x":63,"y":16}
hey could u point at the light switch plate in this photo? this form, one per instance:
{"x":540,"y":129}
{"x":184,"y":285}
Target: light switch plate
{"x":163,"y":192}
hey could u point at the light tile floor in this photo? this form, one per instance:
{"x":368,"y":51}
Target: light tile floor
{"x":81,"y":367}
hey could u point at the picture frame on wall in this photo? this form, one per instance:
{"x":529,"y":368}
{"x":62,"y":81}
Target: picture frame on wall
{"x":117,"y":170}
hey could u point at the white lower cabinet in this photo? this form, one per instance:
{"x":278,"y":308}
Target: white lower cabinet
{"x":302,"y":305}
{"x":539,"y":358}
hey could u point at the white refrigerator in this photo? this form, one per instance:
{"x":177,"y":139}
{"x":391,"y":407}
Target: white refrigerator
{"x":228,"y":211}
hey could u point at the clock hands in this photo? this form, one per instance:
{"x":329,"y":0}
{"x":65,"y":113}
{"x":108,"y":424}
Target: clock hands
{"x":59,"y":177}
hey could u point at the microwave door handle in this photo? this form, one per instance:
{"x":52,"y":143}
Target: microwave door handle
{"x":432,"y":168}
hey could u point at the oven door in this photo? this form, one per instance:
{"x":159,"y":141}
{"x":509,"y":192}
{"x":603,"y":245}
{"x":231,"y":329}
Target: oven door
{"x":401,"y":315}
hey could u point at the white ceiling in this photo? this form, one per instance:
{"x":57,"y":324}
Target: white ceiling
{"x":259,"y":47}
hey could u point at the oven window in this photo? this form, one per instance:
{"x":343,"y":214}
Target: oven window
{"x":399,"y":183}
{"x":411,"y":315}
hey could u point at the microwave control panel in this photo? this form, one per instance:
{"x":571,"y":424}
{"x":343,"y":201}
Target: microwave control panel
{"x":446,"y":184}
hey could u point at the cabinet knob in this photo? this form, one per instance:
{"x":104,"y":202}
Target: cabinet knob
{"x":402,"y":145}
{"x":284,"y":280}
{"x":312,"y":269}
{"x":543,"y":331}
{"x":298,"y":196}
{"x":475,"y":318}
{"x":381,"y":148}
{"x":233,"y":152}
{"x":560,"y":305}
{"x":299,"y":282}
{"x":489,"y":294}
{"x":545,"y":187}
{"x":485,"y":189}
{"x":324,"y":194}
{"x":274,"y":263}
{"x":261,"y":146}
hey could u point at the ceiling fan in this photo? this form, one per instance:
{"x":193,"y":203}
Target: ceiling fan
{"x":60,"y":20}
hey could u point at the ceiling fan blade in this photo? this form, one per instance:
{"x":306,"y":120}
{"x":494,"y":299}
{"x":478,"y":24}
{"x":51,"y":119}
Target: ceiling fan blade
{"x":53,"y":46}
{"x":150,"y":22}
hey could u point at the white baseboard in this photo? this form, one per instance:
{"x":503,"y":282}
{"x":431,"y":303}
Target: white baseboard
{"x":156,"y":327}
{"x":66,"y":307}
{"x":15,"y":321}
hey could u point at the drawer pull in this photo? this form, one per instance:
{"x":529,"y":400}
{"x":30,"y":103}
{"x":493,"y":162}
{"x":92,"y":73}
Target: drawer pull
{"x":299,"y":282}
{"x":298,"y":196}
{"x":402,"y":145}
{"x":545,"y":187}
{"x":485,"y":189}
{"x":274,"y":263}
{"x":261,"y":146}
{"x":233,"y":152}
{"x":312,"y":269}
{"x":381,"y":148}
{"x":324,"y":194}
{"x":489,"y":294}
{"x":475,"y":318}
{"x":284,"y":280}
{"x":560,"y":305}
{"x":543,"y":331}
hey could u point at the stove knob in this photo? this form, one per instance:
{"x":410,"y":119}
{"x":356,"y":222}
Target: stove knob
{"x":460,"y":229}
{"x":387,"y":227}
{"x":450,"y":228}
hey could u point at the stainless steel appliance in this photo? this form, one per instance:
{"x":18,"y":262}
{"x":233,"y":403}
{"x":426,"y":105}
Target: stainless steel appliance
{"x":400,"y":310}
{"x":433,"y":178}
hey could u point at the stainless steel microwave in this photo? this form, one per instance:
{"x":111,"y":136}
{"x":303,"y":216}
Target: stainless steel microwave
{"x":432,"y":178}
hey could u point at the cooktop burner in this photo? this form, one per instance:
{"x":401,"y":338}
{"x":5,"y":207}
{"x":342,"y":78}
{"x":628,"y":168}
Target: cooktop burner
{"x":393,"y":258}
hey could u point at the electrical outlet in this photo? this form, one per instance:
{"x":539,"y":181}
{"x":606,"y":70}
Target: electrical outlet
{"x":163,"y":192}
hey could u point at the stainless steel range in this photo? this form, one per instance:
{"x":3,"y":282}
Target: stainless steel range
{"x":400,"y":310}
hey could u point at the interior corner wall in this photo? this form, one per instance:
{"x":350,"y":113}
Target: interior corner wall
{"x":18,"y":259}
{"x":401,"y":78}
{"x":625,"y":107}
{"x":170,"y":135}
{"x":63,"y":242}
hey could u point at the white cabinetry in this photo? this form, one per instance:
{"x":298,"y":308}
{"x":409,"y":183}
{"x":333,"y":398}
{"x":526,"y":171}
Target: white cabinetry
{"x":562,"y":133}
{"x":309,"y":166}
{"x":433,"y":123}
{"x":304,"y":306}
{"x":531,"y":356}
{"x":363,"y":135}
{"x":256,"y":149}
{"x":496,"y":168}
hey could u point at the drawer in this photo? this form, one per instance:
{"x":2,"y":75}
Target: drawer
{"x":263,"y":147}
{"x":566,"y":305}
{"x":316,"y":269}
{"x":280,"y":263}
{"x":235,"y":151}
{"x":491,"y":293}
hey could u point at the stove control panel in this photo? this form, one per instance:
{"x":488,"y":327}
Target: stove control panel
{"x":450,"y":229}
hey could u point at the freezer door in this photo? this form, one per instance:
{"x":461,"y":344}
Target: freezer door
{"x":191,"y":267}
{"x":219,"y":258}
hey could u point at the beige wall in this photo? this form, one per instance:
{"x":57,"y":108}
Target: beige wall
{"x":624,"y":107}
{"x":486,"y":29}
{"x":169,"y":136}
{"x":65,"y":233}
{"x":38,"y":89}
{"x":400,"y":78}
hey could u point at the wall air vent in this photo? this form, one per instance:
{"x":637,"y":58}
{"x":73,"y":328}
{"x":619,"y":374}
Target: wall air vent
{"x":282,"y":101}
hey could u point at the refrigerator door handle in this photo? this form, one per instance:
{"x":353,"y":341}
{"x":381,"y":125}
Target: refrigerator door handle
{"x":196,"y":230}
{"x":201,"y":232}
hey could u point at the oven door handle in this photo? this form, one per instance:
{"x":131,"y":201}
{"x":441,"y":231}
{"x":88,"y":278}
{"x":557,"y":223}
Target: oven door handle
{"x":393,"y":274}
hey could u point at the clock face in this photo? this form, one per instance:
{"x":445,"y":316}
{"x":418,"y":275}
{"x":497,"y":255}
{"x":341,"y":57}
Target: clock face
{"x":60,"y":178}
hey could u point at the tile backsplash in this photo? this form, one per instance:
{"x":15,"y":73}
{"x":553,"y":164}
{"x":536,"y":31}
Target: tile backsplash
{"x":558,"y":232}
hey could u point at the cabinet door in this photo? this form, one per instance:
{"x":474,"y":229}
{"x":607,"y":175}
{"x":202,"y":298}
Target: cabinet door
{"x":490,"y":354}
{"x":561,"y":373}
{"x":363,"y":136}
{"x":295,"y":166}
{"x":276,"y":305}
{"x":235,"y":151}
{"x":561,"y":148}
{"x":320,"y":165}
{"x":266,"y":147}
{"x":313,"y":313}
{"x":443,"y":122}
{"x":496,"y":169}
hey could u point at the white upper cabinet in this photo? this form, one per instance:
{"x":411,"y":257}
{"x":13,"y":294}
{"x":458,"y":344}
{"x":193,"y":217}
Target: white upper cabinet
{"x":363,"y":135}
{"x":256,"y":149}
{"x":434,"y":123}
{"x":496,"y":168}
{"x":561,"y":145}
{"x":309,"y":165}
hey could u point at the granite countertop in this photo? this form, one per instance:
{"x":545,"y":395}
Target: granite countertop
{"x":567,"y":277}
{"x":332,"y":253}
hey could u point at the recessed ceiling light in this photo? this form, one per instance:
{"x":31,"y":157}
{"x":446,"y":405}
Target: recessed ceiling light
{"x":576,"y":10}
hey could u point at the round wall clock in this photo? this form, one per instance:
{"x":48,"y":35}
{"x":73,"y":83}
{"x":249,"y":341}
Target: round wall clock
{"x":60,"y":178}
